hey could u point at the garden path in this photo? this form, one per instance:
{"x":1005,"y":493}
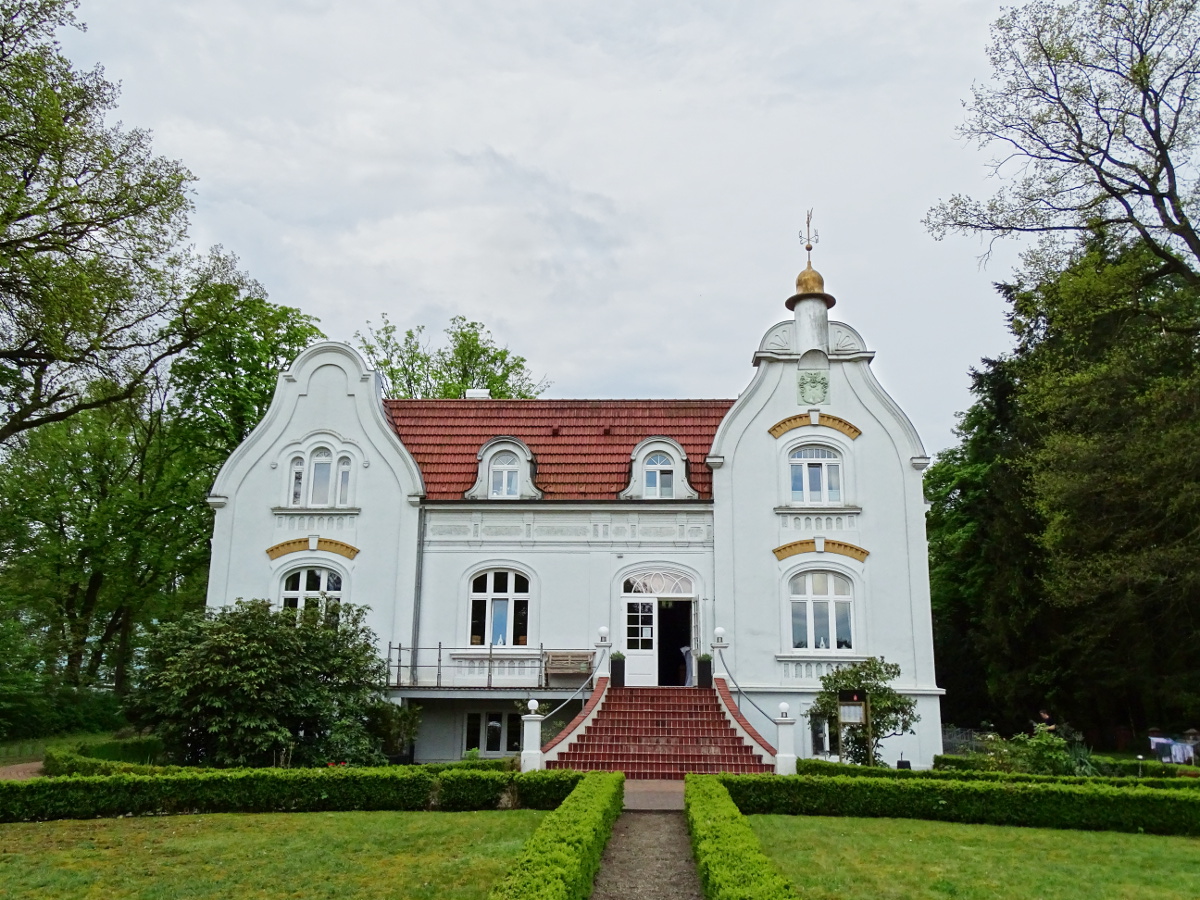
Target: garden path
{"x":648,"y":858}
{"x":21,"y":771}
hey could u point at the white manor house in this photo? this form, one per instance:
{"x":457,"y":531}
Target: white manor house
{"x":503,"y":546}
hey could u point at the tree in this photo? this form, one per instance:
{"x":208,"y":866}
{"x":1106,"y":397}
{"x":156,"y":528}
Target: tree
{"x":1094,"y":103}
{"x":892,"y":713}
{"x":107,"y":528}
{"x":471,"y":359}
{"x":249,"y":685}
{"x":97,"y":284}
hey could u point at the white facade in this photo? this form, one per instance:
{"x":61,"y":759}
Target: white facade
{"x":501,"y":565}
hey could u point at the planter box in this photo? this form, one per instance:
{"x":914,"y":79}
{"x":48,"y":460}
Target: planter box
{"x":617,"y":667}
{"x":704,"y":673}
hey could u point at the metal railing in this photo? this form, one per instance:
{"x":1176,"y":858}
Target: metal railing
{"x":740,"y":693}
{"x":491,"y":666}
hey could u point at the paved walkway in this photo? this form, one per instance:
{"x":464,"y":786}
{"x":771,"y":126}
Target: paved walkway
{"x":21,"y":771}
{"x":654,"y":795}
{"x":648,"y":858}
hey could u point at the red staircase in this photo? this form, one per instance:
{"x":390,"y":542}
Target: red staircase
{"x":656,"y":732}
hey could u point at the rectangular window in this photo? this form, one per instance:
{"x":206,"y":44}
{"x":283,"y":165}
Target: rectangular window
{"x":834,"y":475}
{"x":798,"y":483}
{"x":297,"y":488}
{"x":513,"y":743}
{"x":651,"y":483}
{"x":520,"y":629}
{"x":820,"y":625}
{"x":320,"y":486}
{"x":639,"y":626}
{"x":478,"y":621}
{"x":814,"y":482}
{"x":842,"y":616}
{"x":499,"y":621}
{"x":799,"y":625}
{"x":500,"y":582}
{"x":666,"y":486}
{"x":495,"y":731}
{"x":473,"y":723}
{"x":344,"y":487}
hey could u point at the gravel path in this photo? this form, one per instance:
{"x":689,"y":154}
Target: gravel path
{"x":20,"y":772}
{"x":649,"y":857}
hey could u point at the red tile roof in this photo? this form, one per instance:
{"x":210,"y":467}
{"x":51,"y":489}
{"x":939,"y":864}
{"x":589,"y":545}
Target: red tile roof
{"x":581,"y":447}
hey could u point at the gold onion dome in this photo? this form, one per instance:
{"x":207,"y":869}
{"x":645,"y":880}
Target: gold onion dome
{"x":810,"y":281}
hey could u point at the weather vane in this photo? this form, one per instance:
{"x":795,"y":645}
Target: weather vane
{"x":809,"y":236}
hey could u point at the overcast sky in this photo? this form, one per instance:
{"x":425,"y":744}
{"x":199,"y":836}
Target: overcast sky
{"x":614,"y":188}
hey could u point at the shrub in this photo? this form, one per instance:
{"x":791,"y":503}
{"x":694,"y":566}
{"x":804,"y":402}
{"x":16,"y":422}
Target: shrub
{"x":729,"y":859}
{"x":64,"y":762}
{"x":462,"y":789}
{"x":561,"y":858}
{"x":507,"y":764}
{"x":546,"y":789}
{"x":821,"y":767}
{"x":1112,"y":768}
{"x":244,"y":790}
{"x":1038,"y":805}
{"x":147,"y":751}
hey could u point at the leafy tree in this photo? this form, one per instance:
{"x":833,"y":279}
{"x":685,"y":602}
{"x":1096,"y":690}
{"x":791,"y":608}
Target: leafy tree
{"x":892,"y":713}
{"x":224,"y":384}
{"x":97,"y":283}
{"x":249,"y":685}
{"x":1093,"y":104}
{"x":470,"y":359}
{"x":107,"y":528}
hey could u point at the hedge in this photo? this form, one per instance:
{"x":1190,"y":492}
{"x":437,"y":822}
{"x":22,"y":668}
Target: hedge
{"x":1106,"y":766}
{"x":729,"y":859}
{"x":821,"y":767}
{"x":274,"y":790}
{"x":561,"y":858}
{"x":1082,"y":807}
{"x":146,"y":751}
{"x":64,"y":762}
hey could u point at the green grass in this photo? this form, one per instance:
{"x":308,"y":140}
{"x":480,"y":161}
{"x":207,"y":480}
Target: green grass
{"x":345,"y":855}
{"x":881,"y":859}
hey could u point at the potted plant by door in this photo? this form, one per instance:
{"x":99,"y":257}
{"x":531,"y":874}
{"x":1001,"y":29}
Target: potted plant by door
{"x":618,"y":669}
{"x":704,"y":670}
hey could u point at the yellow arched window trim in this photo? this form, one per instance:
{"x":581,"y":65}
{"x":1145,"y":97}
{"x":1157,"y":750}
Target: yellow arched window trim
{"x":782,"y":427}
{"x":298,"y":545}
{"x":810,"y":546}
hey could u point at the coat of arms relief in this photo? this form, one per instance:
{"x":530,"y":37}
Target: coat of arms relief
{"x":813,"y":388}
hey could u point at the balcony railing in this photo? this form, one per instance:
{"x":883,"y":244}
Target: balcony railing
{"x":492,"y":666}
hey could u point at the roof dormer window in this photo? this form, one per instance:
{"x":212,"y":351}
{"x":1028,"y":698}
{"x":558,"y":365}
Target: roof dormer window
{"x":660,"y":477}
{"x":504,"y":476}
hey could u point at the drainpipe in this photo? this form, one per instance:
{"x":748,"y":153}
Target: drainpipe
{"x":416,"y":622}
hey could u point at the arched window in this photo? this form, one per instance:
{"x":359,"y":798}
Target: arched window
{"x":660,"y":476}
{"x":343,"y":490}
{"x":500,"y":608}
{"x":298,"y":481}
{"x":322,"y":465}
{"x":816,"y":475}
{"x":822,"y":614}
{"x":304,"y":588}
{"x":504,"y":475}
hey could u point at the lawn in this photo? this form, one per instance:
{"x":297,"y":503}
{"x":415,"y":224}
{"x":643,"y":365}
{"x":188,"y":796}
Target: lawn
{"x":857,"y":859}
{"x":343,"y":855}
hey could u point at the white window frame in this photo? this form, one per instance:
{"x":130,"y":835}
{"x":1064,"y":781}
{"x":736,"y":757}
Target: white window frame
{"x":506,"y":464}
{"x":301,"y":484}
{"x":659,"y":463}
{"x":509,"y":732}
{"x":305,"y":596}
{"x":829,"y":462}
{"x":832,"y":600}
{"x":488,"y":600}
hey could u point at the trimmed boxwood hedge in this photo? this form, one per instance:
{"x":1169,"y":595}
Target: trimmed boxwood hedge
{"x":1106,"y":766}
{"x":1082,"y":807}
{"x":561,"y":858}
{"x":143,"y":751}
{"x":177,"y":790}
{"x":63,"y":762}
{"x":821,"y":767}
{"x":729,"y":858}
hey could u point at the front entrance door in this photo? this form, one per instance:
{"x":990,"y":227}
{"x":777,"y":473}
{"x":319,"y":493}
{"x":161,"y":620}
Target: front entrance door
{"x":657,"y":629}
